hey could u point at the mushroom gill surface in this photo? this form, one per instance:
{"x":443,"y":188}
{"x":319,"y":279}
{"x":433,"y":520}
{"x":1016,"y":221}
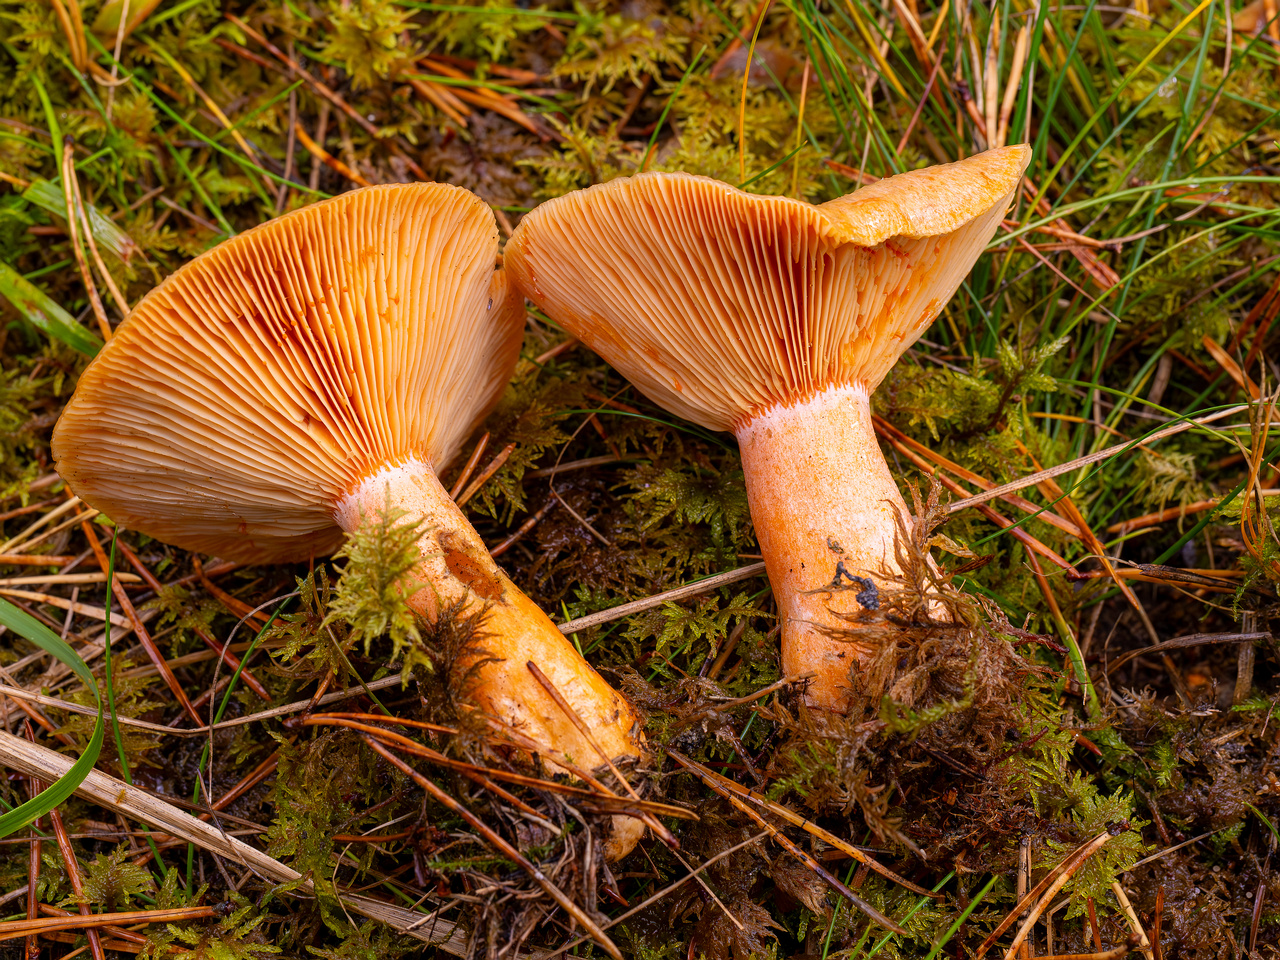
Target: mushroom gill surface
{"x":259,"y":384}
{"x":720,"y":304}
{"x":776,"y":319}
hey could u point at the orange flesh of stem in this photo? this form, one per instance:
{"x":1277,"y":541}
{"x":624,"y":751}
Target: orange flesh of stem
{"x":821,"y":494}
{"x":456,"y":569}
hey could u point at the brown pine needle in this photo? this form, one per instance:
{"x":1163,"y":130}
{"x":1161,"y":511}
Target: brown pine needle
{"x":789,"y":846}
{"x":323,"y":155}
{"x":918,"y":453}
{"x":236,"y":607}
{"x":601,"y":798}
{"x":576,"y":719}
{"x":503,"y":847}
{"x":296,"y":70}
{"x":153,"y":652}
{"x":524,"y":528}
{"x":1229,"y":365}
{"x":487,"y":473}
{"x":567,"y":709}
{"x":710,"y":776}
{"x":72,"y":867}
{"x":21,"y":928}
{"x":1172,"y":513}
{"x":469,"y":467}
{"x":73,"y":29}
{"x":229,"y":658}
{"x":442,"y":98}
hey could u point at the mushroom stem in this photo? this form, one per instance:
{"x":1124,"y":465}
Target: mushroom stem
{"x":456,"y":568}
{"x":821,"y":494}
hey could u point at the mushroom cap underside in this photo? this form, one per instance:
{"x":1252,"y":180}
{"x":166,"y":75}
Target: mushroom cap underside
{"x":719,"y":304}
{"x":261,"y":382}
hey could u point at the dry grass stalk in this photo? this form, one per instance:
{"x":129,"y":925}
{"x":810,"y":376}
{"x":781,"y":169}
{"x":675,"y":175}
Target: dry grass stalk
{"x":120,"y":797}
{"x":82,"y":212}
{"x":67,"y":578}
{"x":1088,"y":460}
{"x":55,"y":513}
{"x":1015,"y":79}
{"x":54,"y":531}
{"x":73,"y":231}
{"x":82,"y":609}
{"x":1132,"y":915}
{"x":657,"y":600}
{"x":216,"y":110}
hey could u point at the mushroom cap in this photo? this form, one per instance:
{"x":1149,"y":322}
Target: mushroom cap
{"x":261,"y":382}
{"x":719,"y":304}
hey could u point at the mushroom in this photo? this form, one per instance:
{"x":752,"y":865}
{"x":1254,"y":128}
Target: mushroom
{"x":775,"y":319}
{"x":294,"y":381}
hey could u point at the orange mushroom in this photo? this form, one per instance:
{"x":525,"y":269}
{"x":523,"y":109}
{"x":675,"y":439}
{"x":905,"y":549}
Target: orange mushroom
{"x":297,"y":379}
{"x":775,"y":319}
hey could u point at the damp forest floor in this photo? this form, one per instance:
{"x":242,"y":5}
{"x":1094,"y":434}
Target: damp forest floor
{"x":1102,"y":729}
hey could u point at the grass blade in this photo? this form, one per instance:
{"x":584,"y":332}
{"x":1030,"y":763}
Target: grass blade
{"x":31,"y":629}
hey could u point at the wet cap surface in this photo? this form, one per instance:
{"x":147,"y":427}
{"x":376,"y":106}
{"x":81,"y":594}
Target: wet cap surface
{"x":719,"y":304}
{"x":261,"y":382}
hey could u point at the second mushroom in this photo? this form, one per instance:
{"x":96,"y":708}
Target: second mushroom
{"x":775,"y":319}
